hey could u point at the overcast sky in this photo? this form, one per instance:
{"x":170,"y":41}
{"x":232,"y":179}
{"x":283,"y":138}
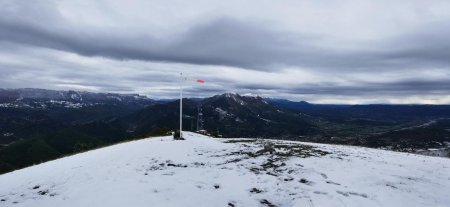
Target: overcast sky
{"x":320,"y":51}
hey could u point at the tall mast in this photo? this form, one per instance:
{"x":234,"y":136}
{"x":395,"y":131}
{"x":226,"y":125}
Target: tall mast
{"x":181,"y":105}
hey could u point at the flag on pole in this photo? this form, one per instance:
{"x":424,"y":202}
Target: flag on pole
{"x":200,"y":81}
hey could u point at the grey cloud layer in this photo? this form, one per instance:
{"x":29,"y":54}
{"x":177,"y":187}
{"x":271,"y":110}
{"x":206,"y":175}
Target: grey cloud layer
{"x":230,"y":42}
{"x":223,"y":41}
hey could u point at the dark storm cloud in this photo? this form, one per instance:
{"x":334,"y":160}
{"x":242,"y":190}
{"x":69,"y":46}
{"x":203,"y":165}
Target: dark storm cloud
{"x":230,"y":42}
{"x":221,"y":42}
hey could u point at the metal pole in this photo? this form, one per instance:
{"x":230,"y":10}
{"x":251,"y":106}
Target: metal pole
{"x":198,"y":118}
{"x":181,"y":105}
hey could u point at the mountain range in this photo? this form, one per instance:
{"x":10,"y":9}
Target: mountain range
{"x":37,"y":125}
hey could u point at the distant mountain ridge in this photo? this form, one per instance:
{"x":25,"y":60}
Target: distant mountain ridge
{"x":35,"y":93}
{"x":303,"y":105}
{"x":45,"y":128}
{"x":27,"y":113}
{"x":38,"y":98}
{"x":369,"y":111}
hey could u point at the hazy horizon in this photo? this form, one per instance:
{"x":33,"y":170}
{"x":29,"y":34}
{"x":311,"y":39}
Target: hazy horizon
{"x":241,"y":94}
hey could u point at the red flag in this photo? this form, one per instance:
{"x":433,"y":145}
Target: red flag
{"x":200,"y":81}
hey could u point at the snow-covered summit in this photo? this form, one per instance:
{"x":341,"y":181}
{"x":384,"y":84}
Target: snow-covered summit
{"x":203,"y":171}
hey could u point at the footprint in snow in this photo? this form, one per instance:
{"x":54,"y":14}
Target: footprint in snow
{"x":169,"y":173}
{"x":267,"y":203}
{"x":288,"y":179}
{"x":255,"y":190}
{"x":304,"y":181}
{"x":392,"y":186}
{"x":333,"y":183}
{"x":347,"y":194}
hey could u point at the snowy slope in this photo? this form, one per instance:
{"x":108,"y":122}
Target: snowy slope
{"x":203,"y":171}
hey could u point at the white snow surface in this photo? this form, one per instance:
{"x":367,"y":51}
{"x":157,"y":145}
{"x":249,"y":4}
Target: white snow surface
{"x":204,"y":171}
